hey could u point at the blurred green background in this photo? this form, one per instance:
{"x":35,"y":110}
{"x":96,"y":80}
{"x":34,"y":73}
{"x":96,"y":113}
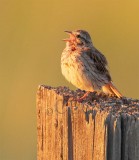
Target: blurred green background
{"x":30,"y":50}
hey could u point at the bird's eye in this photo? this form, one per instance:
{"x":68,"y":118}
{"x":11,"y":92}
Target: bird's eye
{"x":78,"y":36}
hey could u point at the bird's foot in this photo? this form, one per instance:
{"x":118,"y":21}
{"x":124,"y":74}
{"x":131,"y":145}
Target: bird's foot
{"x":81,"y":99}
{"x":87,"y":96}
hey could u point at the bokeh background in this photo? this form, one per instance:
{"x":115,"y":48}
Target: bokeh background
{"x":30,"y":50}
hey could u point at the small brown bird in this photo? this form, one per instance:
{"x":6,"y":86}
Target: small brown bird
{"x":84,"y":66}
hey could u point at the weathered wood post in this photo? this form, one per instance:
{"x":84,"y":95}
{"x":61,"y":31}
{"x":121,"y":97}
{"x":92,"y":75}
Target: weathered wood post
{"x":100,"y":129}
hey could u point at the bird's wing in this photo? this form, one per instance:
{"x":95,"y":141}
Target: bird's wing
{"x":100,"y":62}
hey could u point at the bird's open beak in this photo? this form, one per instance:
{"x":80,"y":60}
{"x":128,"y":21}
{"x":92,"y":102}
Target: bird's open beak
{"x":69,"y":32}
{"x":70,"y":38}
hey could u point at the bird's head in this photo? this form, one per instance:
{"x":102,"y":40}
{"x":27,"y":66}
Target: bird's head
{"x":78,"y":38}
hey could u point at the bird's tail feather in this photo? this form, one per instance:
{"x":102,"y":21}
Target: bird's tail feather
{"x":111,"y":89}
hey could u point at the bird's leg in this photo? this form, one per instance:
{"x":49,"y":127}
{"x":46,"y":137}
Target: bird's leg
{"x":83,"y":97}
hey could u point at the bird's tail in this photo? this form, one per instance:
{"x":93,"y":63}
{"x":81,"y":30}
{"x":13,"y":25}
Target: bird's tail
{"x":111,"y":89}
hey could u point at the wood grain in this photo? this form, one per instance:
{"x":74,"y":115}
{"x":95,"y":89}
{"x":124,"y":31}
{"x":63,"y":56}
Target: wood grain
{"x":69,"y":130}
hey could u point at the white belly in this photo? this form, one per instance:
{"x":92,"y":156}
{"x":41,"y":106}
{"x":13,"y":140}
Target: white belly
{"x":74,"y":71}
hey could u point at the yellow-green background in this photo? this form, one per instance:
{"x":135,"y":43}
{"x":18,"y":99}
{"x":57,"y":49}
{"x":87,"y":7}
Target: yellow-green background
{"x":30,"y":50}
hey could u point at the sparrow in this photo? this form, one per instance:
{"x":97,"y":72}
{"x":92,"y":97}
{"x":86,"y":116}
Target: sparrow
{"x":84,"y":66}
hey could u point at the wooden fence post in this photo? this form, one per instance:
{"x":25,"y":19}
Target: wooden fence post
{"x":101,"y":129}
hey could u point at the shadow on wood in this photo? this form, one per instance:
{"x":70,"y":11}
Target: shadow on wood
{"x":103,"y":128}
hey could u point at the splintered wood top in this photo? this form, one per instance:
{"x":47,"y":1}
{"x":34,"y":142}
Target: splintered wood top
{"x":99,"y":101}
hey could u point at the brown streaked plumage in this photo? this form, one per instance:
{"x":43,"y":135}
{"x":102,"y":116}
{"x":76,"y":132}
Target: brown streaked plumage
{"x":84,"y":66}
